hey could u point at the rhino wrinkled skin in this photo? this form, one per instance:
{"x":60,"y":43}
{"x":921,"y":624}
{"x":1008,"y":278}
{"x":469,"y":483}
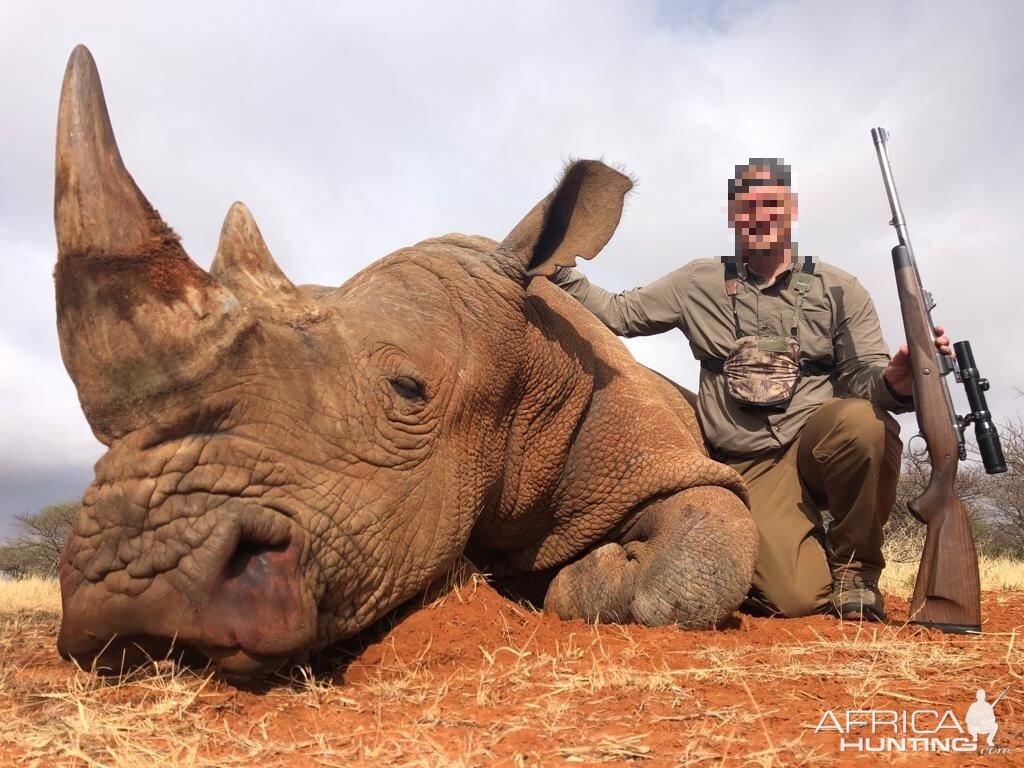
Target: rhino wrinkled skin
{"x":288,"y":463}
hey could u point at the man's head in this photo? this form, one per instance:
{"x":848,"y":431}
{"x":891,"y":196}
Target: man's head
{"x":981,"y":694}
{"x":762,"y":206}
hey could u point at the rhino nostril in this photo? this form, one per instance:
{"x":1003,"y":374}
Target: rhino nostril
{"x":257,"y":602}
{"x":250,"y":559}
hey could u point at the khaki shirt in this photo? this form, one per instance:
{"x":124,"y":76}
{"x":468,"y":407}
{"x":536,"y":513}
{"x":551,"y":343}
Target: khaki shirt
{"x":838,"y":327}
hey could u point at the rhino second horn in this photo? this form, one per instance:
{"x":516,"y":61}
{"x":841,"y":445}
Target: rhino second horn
{"x":243,"y":262}
{"x":244,"y":265}
{"x":136,"y":317}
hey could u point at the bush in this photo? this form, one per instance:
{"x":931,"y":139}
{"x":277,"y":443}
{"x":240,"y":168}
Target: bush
{"x":1005,"y":531}
{"x":904,"y":534}
{"x":36,"y":551}
{"x":994,"y":503}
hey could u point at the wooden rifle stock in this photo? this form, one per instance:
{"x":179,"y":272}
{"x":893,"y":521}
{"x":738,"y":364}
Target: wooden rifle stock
{"x":947,"y":594}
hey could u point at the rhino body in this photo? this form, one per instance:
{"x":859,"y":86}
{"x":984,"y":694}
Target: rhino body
{"x":288,"y":463}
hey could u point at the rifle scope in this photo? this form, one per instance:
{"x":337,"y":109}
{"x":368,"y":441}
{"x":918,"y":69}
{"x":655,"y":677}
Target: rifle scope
{"x":984,"y":430}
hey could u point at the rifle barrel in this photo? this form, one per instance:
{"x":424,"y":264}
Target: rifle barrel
{"x":880,"y":136}
{"x":1000,"y":696}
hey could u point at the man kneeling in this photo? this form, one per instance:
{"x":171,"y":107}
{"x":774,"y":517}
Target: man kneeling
{"x":778,"y":336}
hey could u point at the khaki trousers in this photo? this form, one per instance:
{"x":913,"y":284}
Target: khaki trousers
{"x":846,"y":460}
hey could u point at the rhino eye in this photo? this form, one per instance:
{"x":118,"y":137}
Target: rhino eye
{"x":407,"y":387}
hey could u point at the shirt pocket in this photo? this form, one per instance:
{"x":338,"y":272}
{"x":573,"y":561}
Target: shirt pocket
{"x":816,"y":334}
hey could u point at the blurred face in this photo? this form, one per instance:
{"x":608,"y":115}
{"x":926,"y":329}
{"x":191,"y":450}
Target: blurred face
{"x":762,"y":216}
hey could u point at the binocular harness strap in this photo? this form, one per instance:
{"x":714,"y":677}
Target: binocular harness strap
{"x":801,"y":285}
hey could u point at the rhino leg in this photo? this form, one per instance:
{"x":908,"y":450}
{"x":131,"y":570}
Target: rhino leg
{"x":686,"y":559}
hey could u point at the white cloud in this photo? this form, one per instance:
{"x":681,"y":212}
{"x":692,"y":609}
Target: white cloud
{"x":354,"y":129}
{"x":41,"y":423}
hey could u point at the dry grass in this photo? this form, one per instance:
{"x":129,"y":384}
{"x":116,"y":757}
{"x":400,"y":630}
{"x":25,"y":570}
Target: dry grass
{"x":998,"y":574}
{"x":592,"y":695}
{"x":31,"y":594}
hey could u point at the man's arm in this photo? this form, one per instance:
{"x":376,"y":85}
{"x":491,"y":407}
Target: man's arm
{"x":641,"y":311}
{"x":860,"y":351}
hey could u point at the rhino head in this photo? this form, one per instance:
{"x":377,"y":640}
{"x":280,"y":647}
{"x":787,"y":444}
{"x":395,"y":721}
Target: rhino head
{"x":285,"y":464}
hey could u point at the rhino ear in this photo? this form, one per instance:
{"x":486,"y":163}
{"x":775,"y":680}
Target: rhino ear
{"x":575,"y":221}
{"x":243,"y":262}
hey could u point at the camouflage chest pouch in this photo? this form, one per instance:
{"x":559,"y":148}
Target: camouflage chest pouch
{"x":764,"y":371}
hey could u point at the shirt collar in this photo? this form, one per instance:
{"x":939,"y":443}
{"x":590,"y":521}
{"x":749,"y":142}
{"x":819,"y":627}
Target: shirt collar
{"x":750,"y":276}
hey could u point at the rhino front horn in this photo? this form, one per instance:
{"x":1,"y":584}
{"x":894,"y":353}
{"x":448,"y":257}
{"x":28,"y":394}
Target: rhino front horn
{"x":136,"y":317}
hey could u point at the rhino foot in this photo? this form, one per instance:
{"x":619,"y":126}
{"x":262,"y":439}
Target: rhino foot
{"x":687,"y":560}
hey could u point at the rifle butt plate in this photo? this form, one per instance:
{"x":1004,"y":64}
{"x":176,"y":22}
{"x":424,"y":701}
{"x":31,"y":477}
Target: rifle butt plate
{"x":950,"y":629}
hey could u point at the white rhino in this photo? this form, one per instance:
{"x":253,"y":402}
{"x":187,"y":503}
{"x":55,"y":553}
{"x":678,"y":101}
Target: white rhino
{"x":288,"y":463}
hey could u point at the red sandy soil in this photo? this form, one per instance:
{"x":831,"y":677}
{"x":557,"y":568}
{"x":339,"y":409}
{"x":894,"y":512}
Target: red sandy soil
{"x":475,"y":679}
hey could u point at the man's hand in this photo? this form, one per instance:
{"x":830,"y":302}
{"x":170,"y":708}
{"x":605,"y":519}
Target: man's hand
{"x":898,"y":374}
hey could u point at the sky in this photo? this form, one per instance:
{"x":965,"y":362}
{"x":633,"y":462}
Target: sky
{"x":353,"y":129}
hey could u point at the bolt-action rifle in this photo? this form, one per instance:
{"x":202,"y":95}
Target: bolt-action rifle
{"x":947,"y":594}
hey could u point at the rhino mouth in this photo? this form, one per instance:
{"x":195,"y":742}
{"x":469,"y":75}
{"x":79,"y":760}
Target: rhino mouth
{"x":120,"y":656}
{"x":249,"y":610}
